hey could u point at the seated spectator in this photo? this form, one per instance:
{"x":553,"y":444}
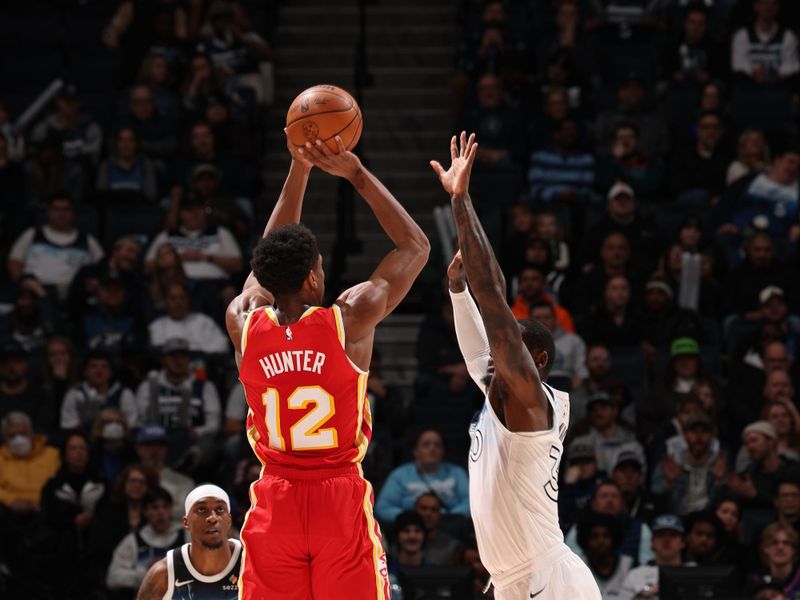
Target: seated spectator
{"x":550,"y":230}
{"x":111,"y":444}
{"x":199,"y":330}
{"x":60,"y":371}
{"x":426,"y":473}
{"x":20,"y":393}
{"x":471,"y":558}
{"x":752,"y":156}
{"x":747,"y":404}
{"x":580,"y":482}
{"x":29,"y":320}
{"x":726,"y":509}
{"x":186,"y":406}
{"x":68,"y":505}
{"x":562,"y":172}
{"x":778,"y":550}
{"x":203,"y":95}
{"x":700,"y":168}
{"x":615,"y":321}
{"x":568,"y":366}
{"x":440,"y":547}
{"x":54,"y":252}
{"x":629,"y":475}
{"x":26,"y":464}
{"x":569,"y":37}
{"x":628,"y":162}
{"x":599,"y":538}
{"x":126,"y":170}
{"x":598,"y":368}
{"x":47,"y":172}
{"x":139,"y":550}
{"x":787,"y":503}
{"x":172,"y":16}
{"x":531,"y":290}
{"x":155,"y":131}
{"x":167,"y":269}
{"x":555,"y":108}
{"x":755,"y":486}
{"x":662,"y":320}
{"x":763,"y":202}
{"x":409,"y":533}
{"x":204,"y":150}
{"x":634,"y":129}
{"x":775,"y":317}
{"x":693,"y":477}
{"x":209,"y":253}
{"x":242,"y":55}
{"x":97,"y":391}
{"x":783,"y":416}
{"x":667,"y":546}
{"x":112,"y":325}
{"x":82,"y":138}
{"x":764,"y":52}
{"x":522,"y":227}
{"x":155,"y":73}
{"x":693,"y":58}
{"x":703,"y":537}
{"x":607,"y":434}
{"x":669,"y":439}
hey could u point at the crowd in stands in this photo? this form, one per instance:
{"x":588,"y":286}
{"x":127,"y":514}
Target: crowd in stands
{"x":637,"y":175}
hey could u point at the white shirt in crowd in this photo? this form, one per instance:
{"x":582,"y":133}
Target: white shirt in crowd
{"x":200,"y":330}
{"x":219,"y":243}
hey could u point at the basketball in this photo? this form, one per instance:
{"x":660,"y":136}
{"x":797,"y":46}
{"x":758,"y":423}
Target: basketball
{"x":321,"y":113}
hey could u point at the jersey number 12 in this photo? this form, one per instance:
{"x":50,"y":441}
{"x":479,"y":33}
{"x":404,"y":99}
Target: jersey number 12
{"x":307,"y":433}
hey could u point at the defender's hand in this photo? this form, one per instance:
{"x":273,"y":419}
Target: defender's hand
{"x":342,"y":163}
{"x":456,"y":277}
{"x":455,"y":180}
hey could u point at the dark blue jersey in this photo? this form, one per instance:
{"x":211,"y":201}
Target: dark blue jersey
{"x":186,"y":583}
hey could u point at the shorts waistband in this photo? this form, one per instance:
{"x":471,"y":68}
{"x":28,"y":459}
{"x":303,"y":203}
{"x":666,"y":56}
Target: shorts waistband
{"x":315,"y":473}
{"x":526,"y":569}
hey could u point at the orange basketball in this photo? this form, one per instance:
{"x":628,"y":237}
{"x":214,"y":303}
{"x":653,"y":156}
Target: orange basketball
{"x":321,"y":113}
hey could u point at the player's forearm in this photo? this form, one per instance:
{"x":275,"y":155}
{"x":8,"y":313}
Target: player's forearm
{"x":406,"y":235}
{"x":483,"y":272}
{"x":471,"y":335}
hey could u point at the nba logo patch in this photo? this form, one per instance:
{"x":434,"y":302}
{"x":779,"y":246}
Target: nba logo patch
{"x":289,"y":333}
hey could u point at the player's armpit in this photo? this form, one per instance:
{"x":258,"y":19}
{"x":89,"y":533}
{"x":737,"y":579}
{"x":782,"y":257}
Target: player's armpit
{"x":155,"y":582}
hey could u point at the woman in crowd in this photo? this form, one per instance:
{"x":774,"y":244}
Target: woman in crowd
{"x":168,"y":270}
{"x":752,"y":155}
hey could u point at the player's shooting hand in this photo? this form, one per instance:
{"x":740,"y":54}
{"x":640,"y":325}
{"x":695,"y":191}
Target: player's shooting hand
{"x":456,"y":277}
{"x":455,"y":180}
{"x":298,"y":155}
{"x":341,"y":163}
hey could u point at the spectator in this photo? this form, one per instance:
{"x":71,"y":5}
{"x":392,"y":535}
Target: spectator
{"x":599,"y":538}
{"x":440,"y":547}
{"x":209,"y":253}
{"x":554,"y":110}
{"x":126,"y":170}
{"x":186,"y":406}
{"x":662,"y":320}
{"x":204,"y":150}
{"x":755,"y":486}
{"x":68,"y":504}
{"x":155,"y":74}
{"x":787,"y":503}
{"x":568,"y":38}
{"x":138,"y":550}
{"x":628,"y":473}
{"x":111,"y":446}
{"x":409,"y":532}
{"x":726,"y":509}
{"x":112,"y":325}
{"x":199,"y":330}
{"x":778,"y":550}
{"x":152,"y":444}
{"x":752,"y":156}
{"x":242,"y":55}
{"x":568,"y":366}
{"x":693,"y":477}
{"x":598,"y":368}
{"x":18,"y":392}
{"x":26,"y":463}
{"x":703,"y":535}
{"x":694,"y":58}
{"x":167,"y":269}
{"x":60,"y":371}
{"x":580,"y":482}
{"x":29,"y":320}
{"x":615,"y":321}
{"x":550,"y":230}
{"x":154,"y":130}
{"x":562,"y":172}
{"x":522,"y":222}
{"x":203,"y":95}
{"x":82,"y":138}
{"x":425,"y":474}
{"x":667,"y":546}
{"x":764,"y":52}
{"x":531,"y":290}
{"x":669,"y":438}
{"x":47,"y":172}
{"x":607,"y":435}
{"x":54,"y":252}
{"x":631,"y":128}
{"x":627,"y":161}
{"x":698,"y":172}
{"x":97,"y":391}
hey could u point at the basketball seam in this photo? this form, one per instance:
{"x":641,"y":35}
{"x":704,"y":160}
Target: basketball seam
{"x":316,"y":114}
{"x":356,"y":132}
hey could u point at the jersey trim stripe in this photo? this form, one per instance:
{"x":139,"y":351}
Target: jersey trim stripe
{"x":253,"y":503}
{"x":246,"y":329}
{"x":337,"y":316}
{"x":381,"y":583}
{"x":271,"y":314}
{"x":309,"y":310}
{"x":187,"y":560}
{"x":361,"y":439}
{"x":170,"y":575}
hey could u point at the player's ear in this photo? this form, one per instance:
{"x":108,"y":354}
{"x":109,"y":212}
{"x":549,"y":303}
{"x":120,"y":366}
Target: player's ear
{"x":540,"y":359}
{"x":185,"y":521}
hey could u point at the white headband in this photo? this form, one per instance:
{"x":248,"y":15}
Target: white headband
{"x":207,"y":490}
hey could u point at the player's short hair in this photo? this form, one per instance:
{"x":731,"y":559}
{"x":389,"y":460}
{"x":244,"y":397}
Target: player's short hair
{"x":155,"y":495}
{"x":282,"y":260}
{"x":537,"y":338}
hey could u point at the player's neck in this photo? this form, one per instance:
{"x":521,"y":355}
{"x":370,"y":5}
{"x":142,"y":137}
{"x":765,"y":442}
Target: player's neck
{"x":208,"y":561}
{"x":289,"y":310}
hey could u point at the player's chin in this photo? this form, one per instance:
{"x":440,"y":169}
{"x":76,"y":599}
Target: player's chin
{"x":212,"y":538}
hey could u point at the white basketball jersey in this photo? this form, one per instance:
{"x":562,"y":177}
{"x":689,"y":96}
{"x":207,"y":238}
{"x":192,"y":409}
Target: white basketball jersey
{"x":513,"y":488}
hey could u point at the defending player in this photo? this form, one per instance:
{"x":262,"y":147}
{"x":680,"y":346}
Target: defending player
{"x":310,"y":532}
{"x":518,"y":435}
{"x":208,"y":567}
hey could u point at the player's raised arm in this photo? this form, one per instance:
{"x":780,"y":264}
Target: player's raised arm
{"x":528,"y":406}
{"x":155,"y":582}
{"x":287,"y":210}
{"x":366,"y":304}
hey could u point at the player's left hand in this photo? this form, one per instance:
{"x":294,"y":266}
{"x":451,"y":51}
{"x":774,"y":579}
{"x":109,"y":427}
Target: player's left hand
{"x":342,"y":163}
{"x":455,"y":180}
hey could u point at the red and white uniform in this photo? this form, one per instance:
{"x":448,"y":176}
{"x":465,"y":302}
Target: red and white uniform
{"x":310,"y":532}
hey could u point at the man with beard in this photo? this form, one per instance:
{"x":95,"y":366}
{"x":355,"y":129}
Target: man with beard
{"x":208,"y":566}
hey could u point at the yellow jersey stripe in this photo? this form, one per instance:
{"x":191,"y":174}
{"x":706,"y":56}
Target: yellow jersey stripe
{"x":377,"y":549}
{"x":246,"y":329}
{"x":361,"y":439}
{"x":271,"y":314}
{"x":337,"y":315}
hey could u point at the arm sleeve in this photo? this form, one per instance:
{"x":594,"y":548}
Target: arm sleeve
{"x":212,"y":410}
{"x":472,"y":339}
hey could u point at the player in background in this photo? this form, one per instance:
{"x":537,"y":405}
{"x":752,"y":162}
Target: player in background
{"x":310,"y":532}
{"x":517,"y":438}
{"x":208,"y":567}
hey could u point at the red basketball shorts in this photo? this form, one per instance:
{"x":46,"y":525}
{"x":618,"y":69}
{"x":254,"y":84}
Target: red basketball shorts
{"x":311,"y":535}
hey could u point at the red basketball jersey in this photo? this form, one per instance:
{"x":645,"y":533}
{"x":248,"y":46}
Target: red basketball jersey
{"x":308,"y":401}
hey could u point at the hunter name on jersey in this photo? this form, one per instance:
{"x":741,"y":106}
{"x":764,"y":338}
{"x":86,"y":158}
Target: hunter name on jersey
{"x":288,"y":361}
